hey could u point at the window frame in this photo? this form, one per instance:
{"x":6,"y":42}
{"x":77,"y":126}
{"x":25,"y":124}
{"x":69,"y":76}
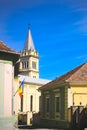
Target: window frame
{"x":57,"y":113}
{"x":57,"y":104}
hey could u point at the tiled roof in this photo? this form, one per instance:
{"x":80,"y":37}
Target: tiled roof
{"x":77,"y":74}
{"x":5,"y":48}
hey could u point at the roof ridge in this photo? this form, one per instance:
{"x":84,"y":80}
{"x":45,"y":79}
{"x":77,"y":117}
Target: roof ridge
{"x":65,"y":77}
{"x":71,"y":72}
{"x":77,"y":71}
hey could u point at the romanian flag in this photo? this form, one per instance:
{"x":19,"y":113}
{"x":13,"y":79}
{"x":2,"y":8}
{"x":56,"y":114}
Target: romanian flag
{"x":20,"y":90}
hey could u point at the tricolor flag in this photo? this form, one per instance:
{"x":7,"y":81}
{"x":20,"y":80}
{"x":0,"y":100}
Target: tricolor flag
{"x":21,"y":88}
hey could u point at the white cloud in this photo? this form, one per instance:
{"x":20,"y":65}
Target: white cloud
{"x":82,"y":25}
{"x":83,"y":57}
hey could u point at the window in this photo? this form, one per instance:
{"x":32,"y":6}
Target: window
{"x":33,"y":65}
{"x":47,"y":104}
{"x":31,"y":103}
{"x":57,"y":104}
{"x":22,"y":104}
{"x":25,"y":65}
{"x":34,"y":76}
{"x":22,"y":64}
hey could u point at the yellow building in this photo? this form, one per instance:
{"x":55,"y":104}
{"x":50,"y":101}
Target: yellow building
{"x":29,"y":72}
{"x":64,"y":100}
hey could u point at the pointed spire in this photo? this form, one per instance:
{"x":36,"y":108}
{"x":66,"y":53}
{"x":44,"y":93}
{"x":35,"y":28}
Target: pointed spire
{"x":29,"y":45}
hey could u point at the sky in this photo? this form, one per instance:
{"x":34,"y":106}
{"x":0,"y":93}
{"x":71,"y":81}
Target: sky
{"x":58,"y":27}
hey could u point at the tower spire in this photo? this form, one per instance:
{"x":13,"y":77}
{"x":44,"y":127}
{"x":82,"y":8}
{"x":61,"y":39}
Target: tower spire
{"x":29,"y":45}
{"x":29,"y":58}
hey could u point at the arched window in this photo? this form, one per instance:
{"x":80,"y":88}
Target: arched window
{"x":22,"y":104}
{"x":34,"y":76}
{"x":31,"y":103}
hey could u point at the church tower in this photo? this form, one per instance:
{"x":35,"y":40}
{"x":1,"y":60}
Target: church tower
{"x":29,"y":59}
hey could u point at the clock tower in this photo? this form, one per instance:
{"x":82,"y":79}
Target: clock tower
{"x":29,"y":59}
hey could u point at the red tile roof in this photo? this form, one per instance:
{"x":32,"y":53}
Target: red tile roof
{"x":5,"y":48}
{"x":77,"y":74}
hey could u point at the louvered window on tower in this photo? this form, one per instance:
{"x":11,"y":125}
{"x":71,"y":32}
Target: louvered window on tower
{"x":25,"y":65}
{"x":22,"y":65}
{"x":33,"y":64}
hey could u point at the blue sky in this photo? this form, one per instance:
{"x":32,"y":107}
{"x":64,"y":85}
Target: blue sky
{"x":58,"y":27}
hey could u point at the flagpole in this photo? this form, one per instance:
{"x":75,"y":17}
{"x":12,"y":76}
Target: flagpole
{"x":15,"y":92}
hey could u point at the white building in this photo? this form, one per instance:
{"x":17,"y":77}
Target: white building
{"x":8,"y":59}
{"x":29,"y":72}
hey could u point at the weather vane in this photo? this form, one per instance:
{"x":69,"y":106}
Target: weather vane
{"x":28,"y":26}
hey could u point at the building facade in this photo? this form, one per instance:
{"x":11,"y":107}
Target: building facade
{"x":29,"y":103}
{"x":63,"y":99}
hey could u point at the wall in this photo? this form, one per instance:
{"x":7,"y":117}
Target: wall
{"x":28,"y":91}
{"x":6,"y":94}
{"x":6,"y":80}
{"x":79,"y":94}
{"x":1,"y":89}
{"x":16,"y":96}
{"x":53,"y":118}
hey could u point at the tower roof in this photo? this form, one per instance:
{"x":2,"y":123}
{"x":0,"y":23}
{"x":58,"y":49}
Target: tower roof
{"x":29,"y":45}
